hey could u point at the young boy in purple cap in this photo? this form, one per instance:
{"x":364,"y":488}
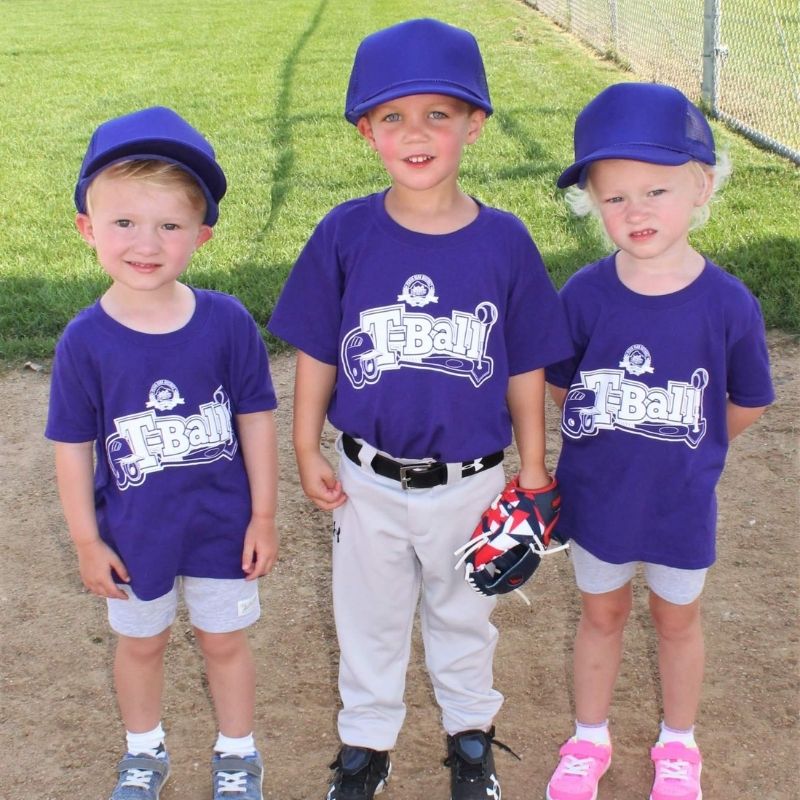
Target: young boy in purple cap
{"x":171,"y":387}
{"x":670,"y":364}
{"x":423,"y":321}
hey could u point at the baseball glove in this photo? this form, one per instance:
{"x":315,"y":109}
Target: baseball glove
{"x":512,"y":536}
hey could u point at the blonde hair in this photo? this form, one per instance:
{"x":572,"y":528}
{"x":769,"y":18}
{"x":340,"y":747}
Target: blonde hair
{"x":582,"y":202}
{"x":155,"y":173}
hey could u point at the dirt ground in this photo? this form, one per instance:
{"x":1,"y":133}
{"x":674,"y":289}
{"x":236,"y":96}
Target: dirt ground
{"x":60,"y":735}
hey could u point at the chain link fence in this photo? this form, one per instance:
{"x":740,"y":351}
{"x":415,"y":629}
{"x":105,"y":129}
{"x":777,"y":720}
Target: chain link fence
{"x":740,"y":58}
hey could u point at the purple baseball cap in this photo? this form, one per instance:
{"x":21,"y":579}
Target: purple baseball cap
{"x":154,"y":133}
{"x":419,"y":56}
{"x":642,"y":122}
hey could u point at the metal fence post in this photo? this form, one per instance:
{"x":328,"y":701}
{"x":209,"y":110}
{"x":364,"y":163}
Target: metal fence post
{"x":711,"y":37}
{"x":612,"y":11}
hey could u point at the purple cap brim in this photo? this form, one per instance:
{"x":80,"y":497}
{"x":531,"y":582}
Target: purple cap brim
{"x":160,"y":134}
{"x":212,"y":207}
{"x":417,"y":87}
{"x":576,"y":173}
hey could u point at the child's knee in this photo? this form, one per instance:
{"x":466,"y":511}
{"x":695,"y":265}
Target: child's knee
{"x":223,"y":646}
{"x":143,"y":648}
{"x":607,"y":614}
{"x":674,"y":621}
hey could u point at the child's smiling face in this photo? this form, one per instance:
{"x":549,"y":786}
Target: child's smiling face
{"x":144,"y":234}
{"x":420,"y":138}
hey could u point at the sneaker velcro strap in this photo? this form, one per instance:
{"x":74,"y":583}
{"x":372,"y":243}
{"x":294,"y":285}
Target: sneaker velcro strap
{"x":670,"y":752}
{"x":144,"y":763}
{"x":236,"y":764}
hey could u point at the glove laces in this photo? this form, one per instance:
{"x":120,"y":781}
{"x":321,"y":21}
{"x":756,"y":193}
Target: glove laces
{"x":534,"y":542}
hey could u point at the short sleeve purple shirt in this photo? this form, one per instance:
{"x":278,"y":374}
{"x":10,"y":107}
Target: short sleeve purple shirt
{"x":171,"y":492}
{"x":425,"y":330}
{"x":644,"y":424}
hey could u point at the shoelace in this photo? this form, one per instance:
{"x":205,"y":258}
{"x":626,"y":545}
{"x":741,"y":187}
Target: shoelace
{"x":232,"y":782}
{"x":577,"y":766}
{"x":138,"y":778}
{"x":674,"y":770}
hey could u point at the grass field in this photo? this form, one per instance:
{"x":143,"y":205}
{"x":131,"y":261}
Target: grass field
{"x":266,"y":81}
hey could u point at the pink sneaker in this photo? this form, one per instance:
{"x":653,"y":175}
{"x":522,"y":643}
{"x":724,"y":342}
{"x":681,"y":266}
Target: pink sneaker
{"x":678,"y":770}
{"x":579,"y":771}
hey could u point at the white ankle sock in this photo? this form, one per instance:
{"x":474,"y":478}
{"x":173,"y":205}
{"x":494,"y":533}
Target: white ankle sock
{"x":147,"y":743}
{"x":597,"y":733}
{"x":244,"y":746}
{"x":667,"y":734}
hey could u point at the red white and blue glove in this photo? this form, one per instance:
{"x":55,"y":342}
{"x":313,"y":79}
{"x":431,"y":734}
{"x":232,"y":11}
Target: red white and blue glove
{"x":513,"y":535}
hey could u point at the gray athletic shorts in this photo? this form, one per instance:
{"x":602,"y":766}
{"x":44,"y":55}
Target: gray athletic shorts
{"x":215,"y":606}
{"x":594,"y":576}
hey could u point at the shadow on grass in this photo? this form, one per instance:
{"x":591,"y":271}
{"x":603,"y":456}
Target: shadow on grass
{"x":282,"y":136}
{"x":537,"y":160}
{"x":34,"y":311}
{"x":771,"y":269}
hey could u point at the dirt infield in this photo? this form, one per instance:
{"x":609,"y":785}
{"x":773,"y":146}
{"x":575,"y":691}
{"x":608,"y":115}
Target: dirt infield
{"x":60,"y":735}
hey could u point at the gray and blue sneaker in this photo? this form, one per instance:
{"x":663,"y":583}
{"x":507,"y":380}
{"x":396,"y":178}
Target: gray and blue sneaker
{"x":237,"y":777}
{"x":142,"y":776}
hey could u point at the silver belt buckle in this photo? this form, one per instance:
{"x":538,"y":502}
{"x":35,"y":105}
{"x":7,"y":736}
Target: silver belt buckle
{"x":407,"y":471}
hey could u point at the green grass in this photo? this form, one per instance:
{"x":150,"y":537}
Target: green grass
{"x":265,"y":82}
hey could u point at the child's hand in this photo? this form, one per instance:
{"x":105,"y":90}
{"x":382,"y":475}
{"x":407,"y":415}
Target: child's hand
{"x":95,"y":562}
{"x":319,"y":481}
{"x":260,"y":547}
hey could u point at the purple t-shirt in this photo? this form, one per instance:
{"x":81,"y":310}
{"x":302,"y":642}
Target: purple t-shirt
{"x":425,"y":330}
{"x":171,"y":492}
{"x":644,"y":425}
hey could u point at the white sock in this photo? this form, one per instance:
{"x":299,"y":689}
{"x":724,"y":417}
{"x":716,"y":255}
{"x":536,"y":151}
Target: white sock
{"x":229,"y":746}
{"x":145,"y":743}
{"x":667,"y":734}
{"x":597,"y":733}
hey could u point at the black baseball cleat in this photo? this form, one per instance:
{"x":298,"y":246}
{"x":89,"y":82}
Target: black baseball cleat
{"x":361,"y":773}
{"x":472,"y":772}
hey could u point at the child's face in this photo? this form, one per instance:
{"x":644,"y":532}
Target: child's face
{"x":647,"y":208}
{"x":144,"y":234}
{"x":420,"y":137}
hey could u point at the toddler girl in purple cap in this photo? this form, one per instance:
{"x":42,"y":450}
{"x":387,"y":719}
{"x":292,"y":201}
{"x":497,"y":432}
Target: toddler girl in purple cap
{"x":670,"y":364}
{"x":169,"y":386}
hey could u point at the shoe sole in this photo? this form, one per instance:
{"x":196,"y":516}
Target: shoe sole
{"x":382,"y":785}
{"x":163,"y":784}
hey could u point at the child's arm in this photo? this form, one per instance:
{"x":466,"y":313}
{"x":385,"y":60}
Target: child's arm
{"x":314,"y":382}
{"x":260,"y":453}
{"x":74,"y":471}
{"x":558,"y":394}
{"x":740,"y":418}
{"x":526,"y":405}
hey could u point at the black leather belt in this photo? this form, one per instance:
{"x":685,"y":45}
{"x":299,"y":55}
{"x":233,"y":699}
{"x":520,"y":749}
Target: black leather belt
{"x":421,"y":475}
